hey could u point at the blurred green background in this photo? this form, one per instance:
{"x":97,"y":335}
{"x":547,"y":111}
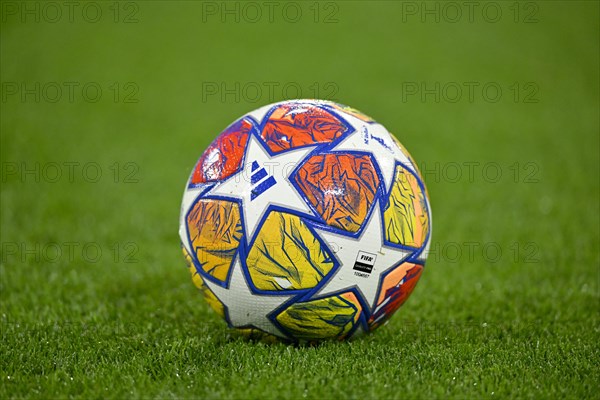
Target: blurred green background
{"x":106,"y":106}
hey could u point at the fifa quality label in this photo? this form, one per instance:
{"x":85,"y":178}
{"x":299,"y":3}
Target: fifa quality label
{"x":364,"y":263}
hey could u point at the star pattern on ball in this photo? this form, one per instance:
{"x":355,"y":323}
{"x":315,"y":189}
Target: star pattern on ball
{"x":245,"y":309}
{"x":264,"y":182}
{"x":370,"y":242}
{"x":376,"y":140}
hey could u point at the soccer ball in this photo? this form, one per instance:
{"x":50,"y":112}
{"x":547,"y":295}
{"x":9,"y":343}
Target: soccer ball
{"x":305,"y":220}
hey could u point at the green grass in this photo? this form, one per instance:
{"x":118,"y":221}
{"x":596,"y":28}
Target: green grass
{"x":524,"y":324}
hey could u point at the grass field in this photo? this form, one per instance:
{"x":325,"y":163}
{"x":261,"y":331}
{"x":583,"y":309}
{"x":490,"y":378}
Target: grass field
{"x":101,"y":123}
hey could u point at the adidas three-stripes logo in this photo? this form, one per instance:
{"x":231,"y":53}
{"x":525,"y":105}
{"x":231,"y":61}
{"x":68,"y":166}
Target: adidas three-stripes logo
{"x":260,"y":181}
